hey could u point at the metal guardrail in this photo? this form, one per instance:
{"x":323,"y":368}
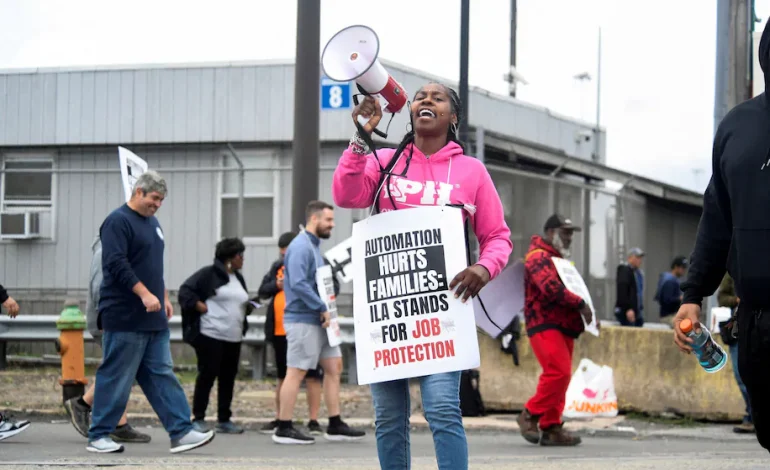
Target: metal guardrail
{"x":42,"y":328}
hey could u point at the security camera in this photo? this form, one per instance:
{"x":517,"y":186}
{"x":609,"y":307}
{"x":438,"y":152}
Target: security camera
{"x":583,"y":136}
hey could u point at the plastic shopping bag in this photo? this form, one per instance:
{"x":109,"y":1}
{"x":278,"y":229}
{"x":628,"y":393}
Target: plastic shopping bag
{"x":591,"y":392}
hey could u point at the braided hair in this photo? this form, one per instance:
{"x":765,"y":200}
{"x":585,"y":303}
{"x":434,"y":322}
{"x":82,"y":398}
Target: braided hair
{"x":457,"y":109}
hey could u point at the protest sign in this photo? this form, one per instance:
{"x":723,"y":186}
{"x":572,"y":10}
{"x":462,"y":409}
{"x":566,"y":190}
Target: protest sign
{"x":131,"y":167}
{"x":340,"y":259}
{"x":503,"y":299}
{"x":325,"y":285}
{"x":407,"y":321}
{"x":574,"y":282}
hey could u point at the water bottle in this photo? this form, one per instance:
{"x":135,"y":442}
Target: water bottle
{"x":711,"y":356}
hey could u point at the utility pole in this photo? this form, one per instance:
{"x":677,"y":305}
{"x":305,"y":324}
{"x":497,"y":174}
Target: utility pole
{"x":597,"y":132}
{"x":722,"y":62}
{"x":741,"y":17}
{"x":512,"y":88}
{"x":464,"y":40}
{"x":307,"y":73}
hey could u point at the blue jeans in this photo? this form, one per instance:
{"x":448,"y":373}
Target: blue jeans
{"x":734,"y":359}
{"x":441,"y":402}
{"x":146,"y":357}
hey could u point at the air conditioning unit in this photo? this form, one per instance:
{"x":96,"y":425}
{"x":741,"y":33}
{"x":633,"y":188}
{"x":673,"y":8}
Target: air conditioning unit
{"x":22,"y":225}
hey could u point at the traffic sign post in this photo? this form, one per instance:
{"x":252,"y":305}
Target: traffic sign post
{"x":335,"y":95}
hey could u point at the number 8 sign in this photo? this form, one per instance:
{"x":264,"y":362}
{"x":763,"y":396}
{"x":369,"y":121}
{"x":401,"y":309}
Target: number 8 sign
{"x":335,"y":95}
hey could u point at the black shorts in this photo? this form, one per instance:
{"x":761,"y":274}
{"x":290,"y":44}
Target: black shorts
{"x":280,"y":346}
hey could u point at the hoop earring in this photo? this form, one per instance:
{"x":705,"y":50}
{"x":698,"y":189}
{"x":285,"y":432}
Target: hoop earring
{"x":453,"y":127}
{"x":408,"y":127}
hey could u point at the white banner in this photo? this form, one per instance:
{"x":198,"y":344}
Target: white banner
{"x":131,"y":167}
{"x":340,"y":259}
{"x":325,"y":284}
{"x":407,"y":321}
{"x":574,"y":282}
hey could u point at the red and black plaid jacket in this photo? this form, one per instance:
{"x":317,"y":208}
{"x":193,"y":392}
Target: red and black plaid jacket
{"x":548,"y":304}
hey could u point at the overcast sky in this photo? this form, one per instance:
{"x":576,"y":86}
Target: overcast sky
{"x":657,"y":63}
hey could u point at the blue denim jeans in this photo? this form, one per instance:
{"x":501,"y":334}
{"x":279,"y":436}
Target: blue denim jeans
{"x":146,"y":357}
{"x":734,"y":359}
{"x":441,"y":402}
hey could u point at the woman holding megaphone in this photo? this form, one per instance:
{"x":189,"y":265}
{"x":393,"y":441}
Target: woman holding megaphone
{"x":430,"y":162}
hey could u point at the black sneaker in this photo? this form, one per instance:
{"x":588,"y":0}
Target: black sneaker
{"x":314,"y":428}
{"x":126,"y":433}
{"x":80,"y":415}
{"x":291,"y":436}
{"x":343,"y":432}
{"x":270,"y":427}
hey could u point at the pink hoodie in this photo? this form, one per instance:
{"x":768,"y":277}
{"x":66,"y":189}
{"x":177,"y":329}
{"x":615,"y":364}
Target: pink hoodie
{"x":447,"y":177}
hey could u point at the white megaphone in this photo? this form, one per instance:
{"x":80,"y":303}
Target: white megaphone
{"x":351,"y":55}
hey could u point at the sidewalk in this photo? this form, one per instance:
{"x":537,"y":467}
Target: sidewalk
{"x":36,"y":394}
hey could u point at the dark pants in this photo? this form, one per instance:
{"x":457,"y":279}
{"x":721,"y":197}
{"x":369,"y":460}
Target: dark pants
{"x":621,"y":317}
{"x":734,"y":359}
{"x":217,"y":360}
{"x":753,"y":364}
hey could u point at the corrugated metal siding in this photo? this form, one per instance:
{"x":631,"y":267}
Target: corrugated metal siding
{"x":84,"y":199}
{"x":249,"y":103}
{"x":188,"y":216}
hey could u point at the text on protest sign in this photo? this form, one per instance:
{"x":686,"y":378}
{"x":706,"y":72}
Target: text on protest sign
{"x":340,"y":258}
{"x":408,"y":323}
{"x":574,"y":282}
{"x":325,"y":286}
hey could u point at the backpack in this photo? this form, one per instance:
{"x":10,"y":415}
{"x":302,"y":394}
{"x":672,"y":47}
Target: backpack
{"x":94,"y":285}
{"x":471,"y":403}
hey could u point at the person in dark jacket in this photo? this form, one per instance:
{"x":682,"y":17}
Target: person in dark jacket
{"x":732,"y":235}
{"x":213,"y":302}
{"x":669,"y":294}
{"x":629,"y":282}
{"x":272,"y":288}
{"x":553,"y":320}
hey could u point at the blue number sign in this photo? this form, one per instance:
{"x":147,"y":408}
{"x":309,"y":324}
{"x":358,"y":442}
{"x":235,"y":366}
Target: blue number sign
{"x":335,"y":95}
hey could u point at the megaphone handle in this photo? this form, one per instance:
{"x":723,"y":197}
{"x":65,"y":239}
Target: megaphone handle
{"x":362,"y":121}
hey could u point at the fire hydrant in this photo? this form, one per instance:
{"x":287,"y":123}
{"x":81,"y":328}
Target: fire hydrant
{"x":70,"y":347}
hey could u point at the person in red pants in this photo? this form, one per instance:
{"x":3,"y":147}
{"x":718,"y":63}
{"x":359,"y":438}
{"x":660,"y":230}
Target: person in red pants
{"x":553,"y":322}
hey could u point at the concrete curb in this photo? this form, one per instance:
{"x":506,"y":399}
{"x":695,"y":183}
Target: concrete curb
{"x":605,"y":427}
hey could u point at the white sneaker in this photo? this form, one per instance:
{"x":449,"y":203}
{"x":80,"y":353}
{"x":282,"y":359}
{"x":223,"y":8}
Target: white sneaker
{"x":191,"y":440}
{"x":10,"y":427}
{"x":104,"y":445}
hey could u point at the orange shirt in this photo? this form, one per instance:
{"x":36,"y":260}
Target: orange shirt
{"x":279,"y":304}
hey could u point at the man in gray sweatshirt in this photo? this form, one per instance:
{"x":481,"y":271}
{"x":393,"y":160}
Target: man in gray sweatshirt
{"x":305,"y":319}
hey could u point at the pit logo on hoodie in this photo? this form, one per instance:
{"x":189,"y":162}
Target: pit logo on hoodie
{"x":429,"y":193}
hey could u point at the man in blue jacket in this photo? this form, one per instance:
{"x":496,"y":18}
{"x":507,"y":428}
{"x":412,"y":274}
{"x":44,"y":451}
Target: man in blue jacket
{"x":305,"y":320}
{"x":134,"y":309}
{"x":669,"y":294}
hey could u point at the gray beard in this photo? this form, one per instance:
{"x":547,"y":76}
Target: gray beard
{"x":559,"y":245}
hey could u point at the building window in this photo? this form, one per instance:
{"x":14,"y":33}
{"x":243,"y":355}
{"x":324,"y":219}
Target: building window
{"x":259,"y":198}
{"x":27,"y":197}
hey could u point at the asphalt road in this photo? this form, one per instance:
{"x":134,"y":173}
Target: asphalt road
{"x":56,"y":445}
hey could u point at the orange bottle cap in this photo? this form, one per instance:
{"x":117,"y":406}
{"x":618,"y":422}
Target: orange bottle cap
{"x":686,"y":325}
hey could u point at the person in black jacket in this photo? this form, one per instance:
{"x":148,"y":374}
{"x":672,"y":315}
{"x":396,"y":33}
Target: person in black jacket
{"x":213,"y":302}
{"x":732,"y":234}
{"x":629,"y":280}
